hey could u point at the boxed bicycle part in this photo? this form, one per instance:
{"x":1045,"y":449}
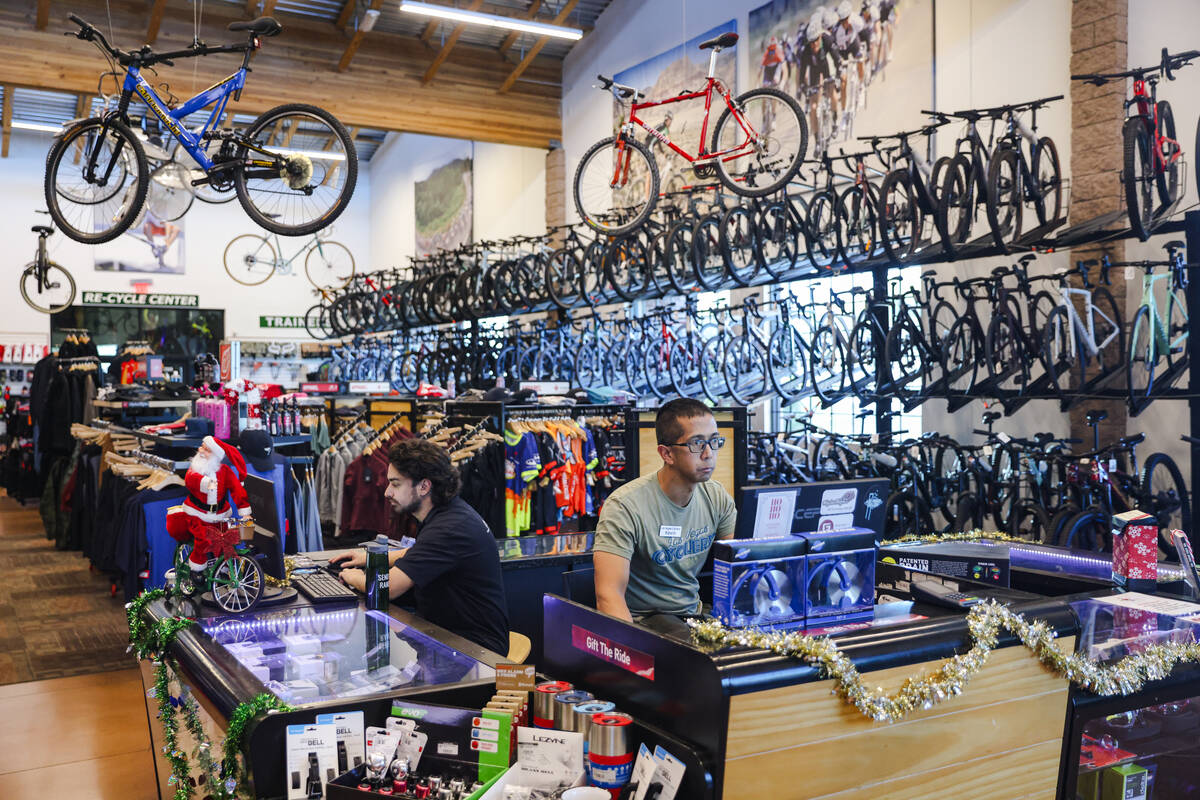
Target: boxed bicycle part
{"x":771,"y":511}
{"x":756,"y":582}
{"x":1135,"y":551}
{"x":976,"y":561}
{"x":351,"y":748}
{"x":311,"y":759}
{"x":839,"y":583}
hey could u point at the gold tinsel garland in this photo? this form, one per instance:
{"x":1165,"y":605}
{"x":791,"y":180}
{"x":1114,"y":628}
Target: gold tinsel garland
{"x":984,"y":622}
{"x":289,"y":564}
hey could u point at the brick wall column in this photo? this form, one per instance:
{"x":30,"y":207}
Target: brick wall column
{"x":556,"y":188}
{"x":1099,"y":43}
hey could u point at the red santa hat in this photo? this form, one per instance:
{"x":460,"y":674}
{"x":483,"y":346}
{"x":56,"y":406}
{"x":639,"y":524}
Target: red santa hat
{"x":222,"y":452}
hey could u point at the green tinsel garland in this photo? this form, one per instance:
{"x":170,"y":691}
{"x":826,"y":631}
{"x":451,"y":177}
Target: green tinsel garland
{"x":148,"y":641}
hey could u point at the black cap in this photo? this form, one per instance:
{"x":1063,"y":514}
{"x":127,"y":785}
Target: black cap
{"x":257,"y":447}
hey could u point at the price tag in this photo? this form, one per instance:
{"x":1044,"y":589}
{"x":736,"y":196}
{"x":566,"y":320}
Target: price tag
{"x":1130,"y":273}
{"x":136,"y":404}
{"x":987,"y":450}
{"x":516,"y":677}
{"x":1004,"y":437}
{"x":1112,"y":465}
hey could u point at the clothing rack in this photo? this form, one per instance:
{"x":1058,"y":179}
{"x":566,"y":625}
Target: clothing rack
{"x":158,"y":462}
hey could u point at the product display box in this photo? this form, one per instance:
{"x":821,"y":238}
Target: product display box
{"x":1135,"y":551}
{"x":972,"y":561}
{"x":767,"y":512}
{"x":839,"y":576}
{"x":760,"y":582}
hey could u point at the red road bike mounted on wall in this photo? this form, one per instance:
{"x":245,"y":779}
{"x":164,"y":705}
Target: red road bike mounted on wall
{"x":758,"y":144}
{"x":1151,"y":150}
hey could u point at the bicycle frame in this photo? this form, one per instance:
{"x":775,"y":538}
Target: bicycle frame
{"x":1087,"y":332}
{"x":1147,"y":110}
{"x":1162,"y":342}
{"x":218,"y":93}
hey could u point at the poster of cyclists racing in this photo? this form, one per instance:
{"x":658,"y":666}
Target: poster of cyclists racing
{"x":825,"y":54}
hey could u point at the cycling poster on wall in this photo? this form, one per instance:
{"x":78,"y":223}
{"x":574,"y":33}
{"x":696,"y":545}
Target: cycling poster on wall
{"x":150,"y":245}
{"x":667,"y":74}
{"x":826,"y":54}
{"x":444,"y":203}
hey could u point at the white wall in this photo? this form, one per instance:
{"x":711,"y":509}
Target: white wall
{"x":509,"y":188}
{"x":208,"y":229}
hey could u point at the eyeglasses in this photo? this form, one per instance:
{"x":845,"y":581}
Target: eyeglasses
{"x":698,"y":445}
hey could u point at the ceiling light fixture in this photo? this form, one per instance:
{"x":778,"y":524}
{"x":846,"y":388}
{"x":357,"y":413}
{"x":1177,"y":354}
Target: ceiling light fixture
{"x":369,"y":19}
{"x":492,"y":20}
{"x":36,"y":126}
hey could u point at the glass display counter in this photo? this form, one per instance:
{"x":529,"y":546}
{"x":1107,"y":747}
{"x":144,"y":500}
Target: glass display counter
{"x":1143,"y":746}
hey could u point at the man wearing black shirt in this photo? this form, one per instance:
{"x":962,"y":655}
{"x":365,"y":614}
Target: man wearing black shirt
{"x":454,"y":567}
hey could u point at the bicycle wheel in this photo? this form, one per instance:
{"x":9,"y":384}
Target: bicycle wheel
{"x":1108,"y":331}
{"x":712,"y":380}
{"x":744,"y":370}
{"x":857,"y":208}
{"x":956,"y":203}
{"x":1142,"y":358}
{"x":1004,"y":195}
{"x":625,"y":267}
{"x":822,"y":234}
{"x":961,"y":354}
{"x":739,"y":245}
{"x":787,"y":364}
{"x":1007,"y":360}
{"x":96,"y":199}
{"x":827,"y":369}
{"x":766,"y":145}
{"x":250,"y":259}
{"x":238,"y":584}
{"x":1165,"y":495}
{"x":1138,"y":176}
{"x":708,"y":264}
{"x":940,"y":323}
{"x":778,"y":238}
{"x":683,"y":363}
{"x":1058,"y":355}
{"x":679,"y":257}
{"x":329,"y":265}
{"x":316,"y":322}
{"x":170,"y":194}
{"x":1047,"y":176}
{"x":1090,"y":529}
{"x":311,"y":176}
{"x":561,"y":277}
{"x":616,"y":186}
{"x":867,"y":375}
{"x":1167,"y":179}
{"x":1029,"y":521}
{"x":50,"y":294}
{"x":906,"y":357}
{"x":185,"y":578}
{"x":900,"y":215}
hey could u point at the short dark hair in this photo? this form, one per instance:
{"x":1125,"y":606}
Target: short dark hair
{"x":421,"y":459}
{"x":666,"y":424}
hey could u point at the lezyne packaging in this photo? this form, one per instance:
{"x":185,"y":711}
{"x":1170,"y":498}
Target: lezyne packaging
{"x":351,"y":747}
{"x":311,"y":755}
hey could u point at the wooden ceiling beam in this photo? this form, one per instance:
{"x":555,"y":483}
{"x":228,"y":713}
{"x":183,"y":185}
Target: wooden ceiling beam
{"x":512,"y":37}
{"x":430,"y":30}
{"x":6,"y":121}
{"x":156,"y":18}
{"x":451,"y":40}
{"x":268,"y":8}
{"x":346,"y":15}
{"x":355,"y":41}
{"x":43,"y":15}
{"x":382,"y":92}
{"x":531,"y":54}
{"x":252,"y":7}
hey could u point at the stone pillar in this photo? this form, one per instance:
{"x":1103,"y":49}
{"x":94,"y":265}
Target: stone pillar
{"x":556,"y":188}
{"x":1099,"y":43}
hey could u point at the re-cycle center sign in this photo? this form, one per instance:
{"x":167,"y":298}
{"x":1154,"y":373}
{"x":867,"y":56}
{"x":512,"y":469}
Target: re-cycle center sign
{"x":141,"y":299}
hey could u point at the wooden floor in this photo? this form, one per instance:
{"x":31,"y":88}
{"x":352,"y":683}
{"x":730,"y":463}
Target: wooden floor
{"x":83,"y":737}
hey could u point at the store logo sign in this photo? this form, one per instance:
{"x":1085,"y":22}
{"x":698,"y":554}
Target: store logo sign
{"x":280,"y":322}
{"x":140,"y":299}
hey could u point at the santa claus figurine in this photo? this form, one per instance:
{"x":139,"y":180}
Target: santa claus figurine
{"x":214,"y":475}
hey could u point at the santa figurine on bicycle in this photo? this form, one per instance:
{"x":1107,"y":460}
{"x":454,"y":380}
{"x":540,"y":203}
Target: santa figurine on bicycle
{"x":214,"y":476}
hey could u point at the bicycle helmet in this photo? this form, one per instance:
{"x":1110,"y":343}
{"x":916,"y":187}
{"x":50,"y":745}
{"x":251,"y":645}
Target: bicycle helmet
{"x":814,"y":31}
{"x":831,"y":18}
{"x":844,"y":10}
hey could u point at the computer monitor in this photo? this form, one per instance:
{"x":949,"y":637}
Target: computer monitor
{"x":784,"y":509}
{"x":268,"y":535}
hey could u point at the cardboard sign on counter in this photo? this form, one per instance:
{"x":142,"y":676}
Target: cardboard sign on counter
{"x":516,"y":677}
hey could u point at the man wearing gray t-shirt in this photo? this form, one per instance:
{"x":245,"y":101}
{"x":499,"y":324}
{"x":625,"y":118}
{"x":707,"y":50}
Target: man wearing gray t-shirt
{"x":655,"y":531}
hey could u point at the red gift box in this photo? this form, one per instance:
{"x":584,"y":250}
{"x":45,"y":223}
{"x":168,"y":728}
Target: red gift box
{"x":1135,"y":549}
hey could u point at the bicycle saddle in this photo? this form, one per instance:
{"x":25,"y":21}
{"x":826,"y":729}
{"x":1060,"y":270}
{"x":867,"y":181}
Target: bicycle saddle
{"x":721,"y":42}
{"x":263,"y":26}
{"x":991,"y":416}
{"x":1096,"y":415}
{"x":42,"y":230}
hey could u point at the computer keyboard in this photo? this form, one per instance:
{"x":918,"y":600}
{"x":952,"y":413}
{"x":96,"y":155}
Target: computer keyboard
{"x":321,"y":587}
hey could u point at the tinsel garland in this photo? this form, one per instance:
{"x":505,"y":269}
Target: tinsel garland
{"x":151,"y":642}
{"x":289,"y":564}
{"x":976,"y":535}
{"x":984,"y":623}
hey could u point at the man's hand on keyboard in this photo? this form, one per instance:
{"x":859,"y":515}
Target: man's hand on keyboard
{"x":354,"y":578}
{"x":351,"y":558}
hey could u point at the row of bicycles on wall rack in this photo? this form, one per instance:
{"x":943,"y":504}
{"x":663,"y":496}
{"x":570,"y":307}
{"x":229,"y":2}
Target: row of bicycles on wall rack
{"x":1042,"y":488}
{"x":1007,"y":336}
